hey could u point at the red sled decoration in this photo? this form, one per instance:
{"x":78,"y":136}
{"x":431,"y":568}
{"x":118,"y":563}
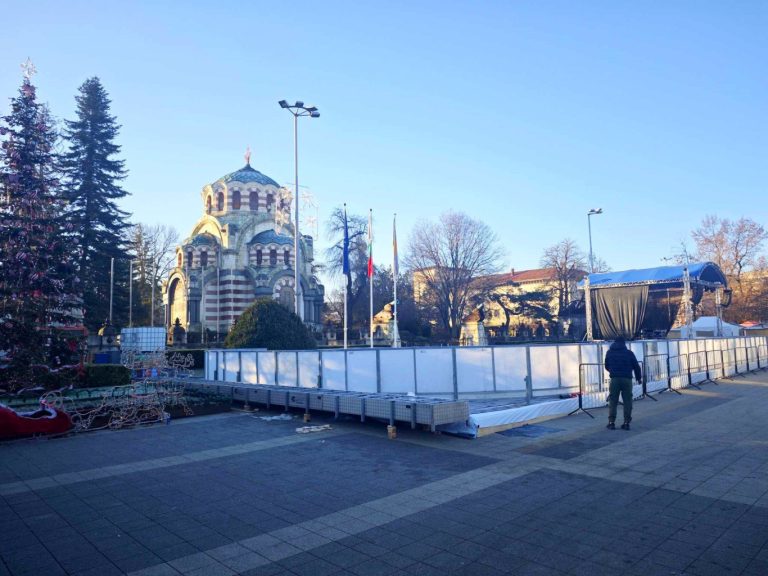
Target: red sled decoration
{"x":44,"y":421}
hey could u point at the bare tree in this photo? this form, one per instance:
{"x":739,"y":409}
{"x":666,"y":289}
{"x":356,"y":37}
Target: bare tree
{"x":735,"y":247}
{"x":153,"y":247}
{"x":569,"y":264}
{"x":445,"y":257}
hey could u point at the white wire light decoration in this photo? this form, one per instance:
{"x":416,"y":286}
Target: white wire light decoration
{"x":310,"y":220}
{"x":283,"y":208}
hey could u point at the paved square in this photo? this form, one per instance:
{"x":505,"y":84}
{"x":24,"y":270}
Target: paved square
{"x":684,"y":492}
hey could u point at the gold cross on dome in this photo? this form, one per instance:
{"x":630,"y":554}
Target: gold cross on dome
{"x":248,"y":155}
{"x":28,"y":69}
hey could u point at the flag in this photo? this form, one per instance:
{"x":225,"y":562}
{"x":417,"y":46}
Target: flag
{"x":370,"y":244}
{"x":345,"y":257}
{"x":396,"y":267}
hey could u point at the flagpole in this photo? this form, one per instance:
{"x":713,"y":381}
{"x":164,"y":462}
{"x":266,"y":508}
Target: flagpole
{"x":395,"y":273}
{"x":345,"y":270}
{"x":370,"y":265}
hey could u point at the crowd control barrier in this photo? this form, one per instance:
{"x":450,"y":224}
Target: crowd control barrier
{"x":529,"y":373}
{"x":594,"y":385}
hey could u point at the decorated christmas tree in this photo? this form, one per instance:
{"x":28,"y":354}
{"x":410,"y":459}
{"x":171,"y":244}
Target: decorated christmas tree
{"x":37,"y":276}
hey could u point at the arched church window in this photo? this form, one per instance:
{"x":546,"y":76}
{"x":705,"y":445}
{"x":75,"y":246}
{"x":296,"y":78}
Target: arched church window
{"x":273,"y":257}
{"x":236,"y":200}
{"x":178,"y":260}
{"x":220,"y":202}
{"x":259,"y":256}
{"x":203,"y":259}
{"x":253,"y":201}
{"x":270,"y":202}
{"x":286,"y":297}
{"x":287,"y":257}
{"x":190,"y":260}
{"x":208,"y":205}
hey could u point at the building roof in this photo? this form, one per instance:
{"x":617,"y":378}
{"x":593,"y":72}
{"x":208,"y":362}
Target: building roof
{"x":271,"y":237}
{"x":537,"y":275}
{"x":246,"y":174}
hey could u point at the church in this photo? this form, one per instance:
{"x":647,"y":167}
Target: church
{"x":241,"y":249}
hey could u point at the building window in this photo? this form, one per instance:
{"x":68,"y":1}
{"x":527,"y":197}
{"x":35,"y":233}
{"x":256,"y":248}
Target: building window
{"x":220,"y":202}
{"x":287,"y":257}
{"x":270,"y":202}
{"x":273,"y":257}
{"x":208,"y":205}
{"x":203,"y":259}
{"x":253,"y":201}
{"x":178,"y":260}
{"x":259,"y":256}
{"x":236,"y":200}
{"x":190,"y":260}
{"x":286,"y":297}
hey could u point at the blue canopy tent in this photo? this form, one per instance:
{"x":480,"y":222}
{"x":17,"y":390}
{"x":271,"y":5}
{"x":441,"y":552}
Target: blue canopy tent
{"x":635,"y":303}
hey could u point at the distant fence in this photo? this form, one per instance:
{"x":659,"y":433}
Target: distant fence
{"x":526,"y":372}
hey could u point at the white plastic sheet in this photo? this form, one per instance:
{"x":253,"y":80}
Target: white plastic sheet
{"x":361,"y":371}
{"x":397,"y":371}
{"x":434,"y":371}
{"x":474,"y":370}
{"x":334,"y":368}
{"x":511,"y":369}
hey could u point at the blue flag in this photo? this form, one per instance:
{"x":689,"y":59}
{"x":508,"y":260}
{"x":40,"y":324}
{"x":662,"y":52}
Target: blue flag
{"x":345,"y":260}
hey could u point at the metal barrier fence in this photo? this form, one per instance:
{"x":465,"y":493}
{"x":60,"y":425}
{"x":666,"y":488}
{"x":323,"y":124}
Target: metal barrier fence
{"x":762,"y":356}
{"x":656,"y":370}
{"x":594,"y":381}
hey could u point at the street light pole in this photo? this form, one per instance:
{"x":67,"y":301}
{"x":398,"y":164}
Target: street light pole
{"x":297,"y":109}
{"x":591,"y":213}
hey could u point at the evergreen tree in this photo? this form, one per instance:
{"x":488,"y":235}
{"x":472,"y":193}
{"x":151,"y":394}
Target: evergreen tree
{"x":93,"y":174}
{"x":37,"y":280}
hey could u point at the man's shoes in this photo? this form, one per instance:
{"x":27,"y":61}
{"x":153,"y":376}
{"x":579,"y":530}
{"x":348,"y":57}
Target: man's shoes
{"x":625,"y":426}
{"x":611,"y":426}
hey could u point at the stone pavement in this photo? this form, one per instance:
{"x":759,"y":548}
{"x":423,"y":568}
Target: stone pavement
{"x":684,"y":492}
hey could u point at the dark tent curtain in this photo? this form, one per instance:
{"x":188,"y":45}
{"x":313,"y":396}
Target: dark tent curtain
{"x":619,"y":311}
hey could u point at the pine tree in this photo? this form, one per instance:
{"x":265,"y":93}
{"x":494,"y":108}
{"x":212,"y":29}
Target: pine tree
{"x":92,"y":176}
{"x":37,"y":280}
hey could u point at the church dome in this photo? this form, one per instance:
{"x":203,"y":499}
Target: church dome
{"x":246,"y":174}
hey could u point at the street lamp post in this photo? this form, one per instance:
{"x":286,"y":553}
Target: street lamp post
{"x":297,"y":109}
{"x":130,"y":293}
{"x":591,"y":213}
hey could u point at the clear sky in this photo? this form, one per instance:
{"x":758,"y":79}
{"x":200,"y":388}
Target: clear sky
{"x":523,"y":114}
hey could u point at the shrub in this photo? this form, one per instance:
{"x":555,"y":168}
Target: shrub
{"x":267,"y":324}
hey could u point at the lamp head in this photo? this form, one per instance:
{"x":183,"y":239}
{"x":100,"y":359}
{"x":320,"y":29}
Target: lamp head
{"x":299,"y":104}
{"x":314,"y":114}
{"x":283,"y":104}
{"x":595,"y":211}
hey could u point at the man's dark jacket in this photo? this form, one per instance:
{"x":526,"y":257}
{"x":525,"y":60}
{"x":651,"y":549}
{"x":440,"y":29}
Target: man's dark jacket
{"x":621,"y":362}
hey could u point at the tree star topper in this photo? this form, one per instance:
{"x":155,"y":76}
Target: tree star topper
{"x":28,"y":69}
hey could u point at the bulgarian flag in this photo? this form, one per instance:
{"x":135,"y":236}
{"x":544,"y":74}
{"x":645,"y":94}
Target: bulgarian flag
{"x":370,"y":244}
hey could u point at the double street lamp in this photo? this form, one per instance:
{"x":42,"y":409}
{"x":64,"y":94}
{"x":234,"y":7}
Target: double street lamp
{"x":591,"y":213}
{"x":297,"y":109}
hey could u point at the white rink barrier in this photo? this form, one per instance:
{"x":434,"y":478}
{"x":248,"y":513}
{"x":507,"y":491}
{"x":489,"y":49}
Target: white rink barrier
{"x":527,"y":372}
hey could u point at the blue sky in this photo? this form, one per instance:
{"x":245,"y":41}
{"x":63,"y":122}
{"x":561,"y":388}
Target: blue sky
{"x":522,"y":114}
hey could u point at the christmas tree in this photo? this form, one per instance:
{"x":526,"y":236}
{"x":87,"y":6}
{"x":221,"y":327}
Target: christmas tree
{"x":37,"y":280}
{"x":92,"y":176}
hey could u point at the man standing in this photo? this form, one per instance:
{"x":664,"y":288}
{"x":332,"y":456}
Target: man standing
{"x":621,"y":363}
